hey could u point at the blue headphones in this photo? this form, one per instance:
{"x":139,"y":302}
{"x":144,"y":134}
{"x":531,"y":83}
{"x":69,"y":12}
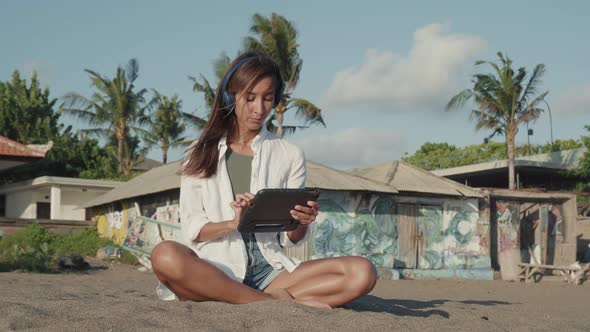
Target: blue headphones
{"x":228,"y":99}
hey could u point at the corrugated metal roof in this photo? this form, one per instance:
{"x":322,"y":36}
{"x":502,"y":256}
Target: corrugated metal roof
{"x":405,"y":177}
{"x":165,"y":178}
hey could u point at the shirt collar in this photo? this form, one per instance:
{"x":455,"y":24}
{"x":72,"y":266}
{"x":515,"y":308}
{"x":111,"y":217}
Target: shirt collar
{"x":262,"y":135}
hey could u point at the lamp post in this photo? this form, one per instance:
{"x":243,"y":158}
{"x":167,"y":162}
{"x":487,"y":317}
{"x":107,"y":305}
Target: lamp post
{"x":550,"y":120}
{"x":529,"y":133}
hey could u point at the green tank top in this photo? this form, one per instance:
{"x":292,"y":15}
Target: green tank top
{"x":239,"y":168}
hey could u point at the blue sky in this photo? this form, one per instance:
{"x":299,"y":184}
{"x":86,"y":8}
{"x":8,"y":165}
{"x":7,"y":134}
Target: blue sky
{"x":381,"y":71}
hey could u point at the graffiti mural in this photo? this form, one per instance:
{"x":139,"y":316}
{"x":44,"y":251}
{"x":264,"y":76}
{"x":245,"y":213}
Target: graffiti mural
{"x":430,"y":237}
{"x":528,"y":232}
{"x":145,"y":233}
{"x":465,"y":233}
{"x":139,"y":225}
{"x":113,"y":224}
{"x":168,"y":214}
{"x":370,"y":231}
{"x":507,"y":225}
{"x":443,"y":234}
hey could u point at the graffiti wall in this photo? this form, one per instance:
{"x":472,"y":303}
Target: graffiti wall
{"x":139,"y":225}
{"x":402,"y":232}
{"x":528,"y":232}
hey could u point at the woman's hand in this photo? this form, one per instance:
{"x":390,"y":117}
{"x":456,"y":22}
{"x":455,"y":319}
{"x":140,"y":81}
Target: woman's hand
{"x":305,"y":215}
{"x":239,"y":205}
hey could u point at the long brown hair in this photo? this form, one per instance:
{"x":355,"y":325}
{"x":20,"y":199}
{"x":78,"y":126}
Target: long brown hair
{"x":201,"y":159}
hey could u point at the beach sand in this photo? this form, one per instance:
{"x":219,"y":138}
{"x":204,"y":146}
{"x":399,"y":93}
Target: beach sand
{"x":119,"y":297}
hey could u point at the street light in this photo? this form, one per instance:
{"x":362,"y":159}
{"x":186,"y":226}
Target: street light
{"x":550,"y":120}
{"x":529,"y":133}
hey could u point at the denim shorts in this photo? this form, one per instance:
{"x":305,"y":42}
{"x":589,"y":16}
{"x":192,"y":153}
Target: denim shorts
{"x":259,"y":274}
{"x":262,"y":279}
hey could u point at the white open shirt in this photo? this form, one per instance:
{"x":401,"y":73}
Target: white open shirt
{"x":276,"y":164}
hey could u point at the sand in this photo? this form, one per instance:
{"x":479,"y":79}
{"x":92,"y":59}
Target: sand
{"x":119,"y":297}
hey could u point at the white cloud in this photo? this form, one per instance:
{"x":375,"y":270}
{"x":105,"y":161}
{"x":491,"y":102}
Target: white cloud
{"x":423,"y":79}
{"x":353,"y":147}
{"x":574,"y":100}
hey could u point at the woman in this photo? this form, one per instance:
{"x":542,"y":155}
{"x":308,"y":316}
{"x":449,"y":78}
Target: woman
{"x":234,"y":157}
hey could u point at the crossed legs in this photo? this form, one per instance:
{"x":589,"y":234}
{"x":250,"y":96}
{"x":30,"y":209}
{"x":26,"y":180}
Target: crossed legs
{"x":331,"y":281}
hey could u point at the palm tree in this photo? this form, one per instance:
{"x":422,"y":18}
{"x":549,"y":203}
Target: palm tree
{"x":505,"y":100}
{"x":277,"y":38}
{"x":115,"y":105}
{"x":165,"y":125}
{"x":220,"y":66}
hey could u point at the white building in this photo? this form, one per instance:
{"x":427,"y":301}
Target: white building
{"x":50,"y":197}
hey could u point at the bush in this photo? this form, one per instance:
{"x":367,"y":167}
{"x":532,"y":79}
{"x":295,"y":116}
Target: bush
{"x":35,"y":249}
{"x":27,"y":250}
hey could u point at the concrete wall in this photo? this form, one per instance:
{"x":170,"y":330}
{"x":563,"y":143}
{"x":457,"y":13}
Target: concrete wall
{"x":72,"y":198}
{"x":20,"y":204}
{"x":23,"y":203}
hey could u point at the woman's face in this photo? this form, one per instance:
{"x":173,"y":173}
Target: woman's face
{"x":252,"y":107}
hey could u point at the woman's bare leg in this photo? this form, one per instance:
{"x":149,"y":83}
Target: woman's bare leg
{"x":191,"y":278}
{"x":334,"y":281}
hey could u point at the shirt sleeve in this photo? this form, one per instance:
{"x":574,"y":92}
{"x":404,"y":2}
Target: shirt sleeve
{"x":296,"y":180}
{"x":192,"y":214}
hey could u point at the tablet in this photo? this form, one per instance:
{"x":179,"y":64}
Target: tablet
{"x":269,"y":210}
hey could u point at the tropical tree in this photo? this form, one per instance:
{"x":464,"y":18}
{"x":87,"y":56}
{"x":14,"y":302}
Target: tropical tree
{"x":116,"y":105}
{"x":505,"y":100}
{"x":220,"y":66}
{"x":26,"y":111}
{"x":27,"y":115}
{"x":165,"y":124}
{"x":277,"y":38}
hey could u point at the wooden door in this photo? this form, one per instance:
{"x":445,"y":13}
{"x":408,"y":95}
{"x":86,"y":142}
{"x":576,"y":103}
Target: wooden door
{"x":43,"y":210}
{"x":407,"y":252}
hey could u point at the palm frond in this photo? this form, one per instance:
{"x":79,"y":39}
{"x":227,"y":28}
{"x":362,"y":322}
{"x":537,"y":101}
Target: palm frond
{"x":460,"y":99}
{"x":132,"y":70}
{"x":252,"y":44}
{"x":97,"y":132}
{"x":307,"y":111}
{"x":194,"y":120}
{"x":531,"y":111}
{"x":531,"y":87}
{"x":221,"y":65}
{"x":184,"y":143}
{"x":260,"y":25}
{"x":205,"y":88}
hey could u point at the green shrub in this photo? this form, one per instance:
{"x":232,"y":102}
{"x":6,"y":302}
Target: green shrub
{"x":84,"y":243}
{"x":28,"y":250}
{"x":128,"y":258}
{"x":35,"y":249}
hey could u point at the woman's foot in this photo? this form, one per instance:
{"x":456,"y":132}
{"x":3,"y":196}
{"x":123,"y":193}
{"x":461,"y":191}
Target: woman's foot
{"x":284,"y":295}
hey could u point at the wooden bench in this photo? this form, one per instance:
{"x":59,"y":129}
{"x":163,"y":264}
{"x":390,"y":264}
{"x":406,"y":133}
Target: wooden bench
{"x":571,"y":274}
